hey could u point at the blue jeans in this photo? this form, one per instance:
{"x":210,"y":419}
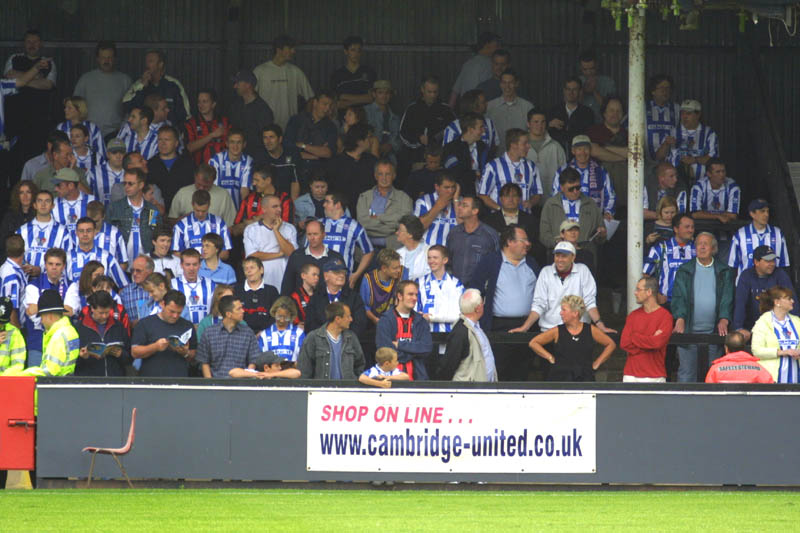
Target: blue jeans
{"x":34,"y":358}
{"x":687,"y":356}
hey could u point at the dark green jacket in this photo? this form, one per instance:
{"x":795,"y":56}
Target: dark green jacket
{"x":682,"y":304}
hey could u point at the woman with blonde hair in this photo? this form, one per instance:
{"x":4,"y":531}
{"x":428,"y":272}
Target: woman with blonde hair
{"x":572,"y":344}
{"x":661,"y":229}
{"x":775,"y":335}
{"x":283,"y":338}
{"x":76,"y":111}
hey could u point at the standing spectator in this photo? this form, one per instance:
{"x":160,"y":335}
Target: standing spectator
{"x":383,"y":120}
{"x":311,"y":204}
{"x":256,"y":296}
{"x":12,"y":278}
{"x":12,"y":343}
{"x":166,"y":263}
{"x":134,"y":295}
{"x":570,"y":117}
{"x":471,"y":240}
{"x":476,"y":69}
{"x":663,"y":116}
{"x":52,"y":277}
{"x":229,"y":344}
{"x":316,"y":252}
{"x":466,"y":157}
{"x":423,"y":122}
{"x":335,"y":289}
{"x":352,"y":171}
{"x":272,"y":240}
{"x":169,"y":169}
{"x":343,"y":234}
{"x":214,"y":316}
{"x":702,"y":302}
{"x":666,"y":257}
{"x":141,"y":134}
{"x":509,"y":110}
{"x":80,"y":289}
{"x":85,"y":250}
{"x":234,"y":168}
{"x":332,"y":351}
{"x":189,"y":231}
{"x":512,"y":167}
{"x":71,"y":203}
{"x":157,"y":286}
{"x":610,"y":145}
{"x":758,"y":233}
{"x":437,"y":210}
{"x":406,"y":331}
{"x":715,"y":196}
{"x":775,"y":339}
{"x":103,"y":89}
{"x":510,"y":213}
{"x":546,"y":153}
{"x":99,"y":326}
{"x":283,"y":338}
{"x":468,"y":355}
{"x":646,"y":335}
{"x":220,"y":203}
{"x":353,"y":116}
{"x":753,"y":282}
{"x":473,"y":101}
{"x":596,"y":87}
{"x":663,"y":183}
{"x":252,"y":207}
{"x":197,"y":291}
{"x":737,"y":366}
{"x":280,"y":83}
{"x":414,"y":253}
{"x":501,"y":60}
{"x":135,"y":217}
{"x":691,"y":145}
{"x":20,"y":211}
{"x":165,"y":342}
{"x":43,"y":160}
{"x":85,"y":158}
{"x":285,"y":161}
{"x":381,"y":208}
{"x":439,"y":292}
{"x":249,"y":112}
{"x":107,"y":172}
{"x":572,"y":205}
{"x":572,"y":344}
{"x":155,"y":81}
{"x":314,"y":134}
{"x":212,"y":266}
{"x":595,"y":181}
{"x":421,"y":181}
{"x":206,"y":132}
{"x":352,"y":81}
{"x":310,"y":276}
{"x":63,"y":157}
{"x":76,"y":112}
{"x":379,"y":286}
{"x":41,"y":234}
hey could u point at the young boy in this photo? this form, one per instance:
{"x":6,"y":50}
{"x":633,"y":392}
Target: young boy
{"x":271,"y":366}
{"x":385,"y":370}
{"x":211,"y":267}
{"x":309,"y":273}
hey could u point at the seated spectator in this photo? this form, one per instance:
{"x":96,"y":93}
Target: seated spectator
{"x":313,"y":133}
{"x":384,"y":122}
{"x":233,"y":167}
{"x":423,"y":121}
{"x":569,"y":117}
{"x":256,"y":296}
{"x":228,"y":344}
{"x":220,"y":203}
{"x":70,"y":203}
{"x":76,"y":112}
{"x":595,"y":181}
{"x":596,"y":88}
{"x":52,"y":277}
{"x":467,"y":155}
{"x":356,"y":116}
{"x":546,"y":153}
{"x":189,"y":231}
{"x":170,"y":169}
{"x":775,"y":339}
{"x":165,"y":342}
{"x":196,"y":289}
{"x":379,"y":285}
{"x":311,"y":204}
{"x":754,"y":281}
{"x":62,"y":157}
{"x":343,"y":234}
{"x":715,"y":196}
{"x":439,"y":292}
{"x":310,"y":278}
{"x":501,"y":60}
{"x":316,"y":252}
{"x":335,"y":289}
{"x":12,"y":278}
{"x":80,"y":289}
{"x":662,"y":115}
{"x":139,"y":133}
{"x":352,"y":171}
{"x":571,"y":232}
{"x":665,"y":257}
{"x":20,"y":211}
{"x":380,"y":208}
{"x":664,"y":182}
{"x":12,"y":342}
{"x":436,"y":210}
{"x":164,"y":261}
{"x":99,"y":326}
{"x":270,"y":365}
{"x":473,"y":101}
{"x":510,"y":196}
{"x":691,"y":145}
{"x":660,"y":230}
{"x":214,"y":316}
{"x":758,"y":233}
{"x":702,"y":302}
{"x":645,"y":336}
{"x":207,"y":132}
{"x":85,"y":158}
{"x":737,"y":366}
{"x":509,"y":110}
{"x":407,"y":331}
{"x":45,"y":159}
{"x":332,"y":351}
{"x":421,"y":181}
{"x":284,"y":161}
{"x":212,"y":267}
{"x":414,"y":253}
{"x":283,"y":337}
{"x":385,"y":370}
{"x":512,"y":167}
{"x":156,"y":286}
{"x":252,"y":207}
{"x":108,"y":237}
{"x":468,"y":355}
{"x":571,"y":344}
{"x":272,"y":240}
{"x":471,"y":240}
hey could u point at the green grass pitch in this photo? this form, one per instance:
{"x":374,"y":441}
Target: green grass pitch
{"x":169,"y":511}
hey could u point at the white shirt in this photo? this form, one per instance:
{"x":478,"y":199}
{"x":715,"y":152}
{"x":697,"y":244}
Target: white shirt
{"x":260,"y":238}
{"x":416,"y":260}
{"x":550,"y":290}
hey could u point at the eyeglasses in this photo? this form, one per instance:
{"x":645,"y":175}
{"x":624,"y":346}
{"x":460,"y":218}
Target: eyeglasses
{"x":574,"y":188}
{"x":129,"y":183}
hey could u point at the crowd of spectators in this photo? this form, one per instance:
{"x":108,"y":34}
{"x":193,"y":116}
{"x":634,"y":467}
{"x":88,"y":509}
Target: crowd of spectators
{"x":314,"y":233}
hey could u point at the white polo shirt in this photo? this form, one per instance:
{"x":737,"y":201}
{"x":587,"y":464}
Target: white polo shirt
{"x":550,"y":290}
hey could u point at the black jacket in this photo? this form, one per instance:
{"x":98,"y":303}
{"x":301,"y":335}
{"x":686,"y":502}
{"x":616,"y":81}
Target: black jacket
{"x":456,"y":351}
{"x":315,"y":311}
{"x":420,"y":118}
{"x":107,"y":366}
{"x":575,"y":124}
{"x":297,"y":259}
{"x":256,"y":305}
{"x":529,"y":222}
{"x":170,"y":180}
{"x":457,"y":158}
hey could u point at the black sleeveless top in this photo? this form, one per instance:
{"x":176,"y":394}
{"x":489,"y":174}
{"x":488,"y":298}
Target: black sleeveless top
{"x":574,"y":352}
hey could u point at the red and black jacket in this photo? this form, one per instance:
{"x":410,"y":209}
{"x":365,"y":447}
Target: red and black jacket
{"x":251,"y":207}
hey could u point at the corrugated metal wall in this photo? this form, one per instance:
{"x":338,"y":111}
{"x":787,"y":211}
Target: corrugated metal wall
{"x":407,"y":40}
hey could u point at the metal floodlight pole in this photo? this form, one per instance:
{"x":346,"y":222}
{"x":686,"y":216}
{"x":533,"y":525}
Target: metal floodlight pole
{"x":636,"y":150}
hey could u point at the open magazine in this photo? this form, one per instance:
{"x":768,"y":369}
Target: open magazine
{"x":179,"y":341}
{"x":101,"y":349}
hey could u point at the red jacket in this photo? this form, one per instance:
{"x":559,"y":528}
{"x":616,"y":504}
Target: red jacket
{"x":196,"y":128}
{"x":251,"y":206}
{"x":738,"y":367}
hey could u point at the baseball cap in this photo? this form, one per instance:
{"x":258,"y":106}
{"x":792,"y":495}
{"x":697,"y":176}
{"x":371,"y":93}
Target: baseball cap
{"x":755,"y":205}
{"x":691,"y":105}
{"x":564,"y":247}
{"x":5,"y":310}
{"x":764,"y":253}
{"x":246,"y":76}
{"x":116,"y":145}
{"x":334,"y":265}
{"x":268,"y":358}
{"x":382,"y":84}
{"x":580,"y":140}
{"x":66,"y":174}
{"x":568,"y":224}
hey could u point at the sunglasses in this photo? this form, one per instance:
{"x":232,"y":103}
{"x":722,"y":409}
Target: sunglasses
{"x":574,"y":188}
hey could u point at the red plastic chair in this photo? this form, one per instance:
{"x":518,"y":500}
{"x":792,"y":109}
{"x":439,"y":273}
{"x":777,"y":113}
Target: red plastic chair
{"x":114,"y":452}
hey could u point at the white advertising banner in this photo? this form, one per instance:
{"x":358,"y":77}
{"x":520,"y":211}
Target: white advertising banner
{"x":465,"y":432}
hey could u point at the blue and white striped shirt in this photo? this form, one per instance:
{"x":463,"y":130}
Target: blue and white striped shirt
{"x":148,"y":147}
{"x":681,"y":199}
{"x":700,"y":142}
{"x":748,"y":238}
{"x":101,"y":179}
{"x":453,"y":132}
{"x":233,"y":175}
{"x":40,"y":237}
{"x":198,"y":297}
{"x":503,"y":170}
{"x":7,"y":88}
{"x":664,"y":260}
{"x":67,"y":212}
{"x":77,"y":259}
{"x":95,"y":141}
{"x":286,"y":343}
{"x":377,"y":371}
{"x":661,"y":123}
{"x":188,"y":232}
{"x":86,"y":162}
{"x":438,"y":298}
{"x":110,"y":239}
{"x":726,"y":199}
{"x":442,"y":224}
{"x":601,"y":191}
{"x":12,"y":282}
{"x":343,"y":235}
